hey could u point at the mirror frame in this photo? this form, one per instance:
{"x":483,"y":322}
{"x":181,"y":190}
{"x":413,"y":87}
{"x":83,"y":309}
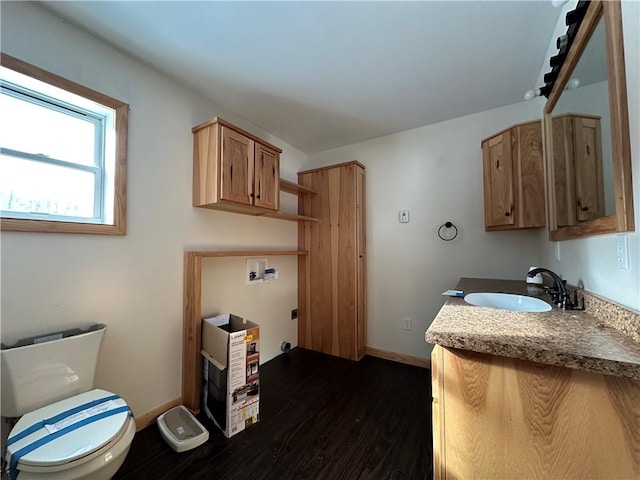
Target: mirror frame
{"x":623,"y":218}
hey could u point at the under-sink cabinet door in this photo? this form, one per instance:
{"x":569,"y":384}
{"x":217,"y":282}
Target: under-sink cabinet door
{"x":502,"y":418}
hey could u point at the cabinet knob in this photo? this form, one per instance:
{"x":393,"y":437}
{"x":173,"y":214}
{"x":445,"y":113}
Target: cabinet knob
{"x":257,"y":196}
{"x":585,"y":209}
{"x":508,"y":214}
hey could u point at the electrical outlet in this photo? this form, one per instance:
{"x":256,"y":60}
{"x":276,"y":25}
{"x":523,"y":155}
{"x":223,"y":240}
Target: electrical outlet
{"x":294,"y":314}
{"x":622,"y":251}
{"x":406,"y":323}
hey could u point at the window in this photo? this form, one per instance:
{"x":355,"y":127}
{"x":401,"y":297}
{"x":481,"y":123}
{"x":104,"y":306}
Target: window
{"x":62,"y":154}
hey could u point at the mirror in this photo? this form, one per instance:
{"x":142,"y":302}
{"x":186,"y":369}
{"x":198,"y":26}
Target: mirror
{"x":588,"y":157}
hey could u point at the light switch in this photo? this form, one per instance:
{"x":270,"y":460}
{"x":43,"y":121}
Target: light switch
{"x":404,"y":216}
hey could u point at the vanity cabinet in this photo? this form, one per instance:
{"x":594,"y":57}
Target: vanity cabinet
{"x":332,"y":276}
{"x":234,"y":170}
{"x":577,"y":168}
{"x":514,"y":178}
{"x":497,"y":417}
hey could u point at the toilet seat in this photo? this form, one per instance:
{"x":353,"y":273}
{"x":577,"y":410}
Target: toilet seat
{"x":72,"y":424}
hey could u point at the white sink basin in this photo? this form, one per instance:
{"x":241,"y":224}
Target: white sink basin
{"x":507,"y":301}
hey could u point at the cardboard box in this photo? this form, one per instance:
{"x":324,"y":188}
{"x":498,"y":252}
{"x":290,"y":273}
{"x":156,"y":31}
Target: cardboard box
{"x":231,"y":373}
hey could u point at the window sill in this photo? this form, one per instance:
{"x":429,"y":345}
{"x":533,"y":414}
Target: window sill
{"x":48,"y":226}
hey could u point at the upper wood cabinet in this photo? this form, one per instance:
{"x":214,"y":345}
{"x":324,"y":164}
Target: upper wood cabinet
{"x":578,"y":168}
{"x":514,"y":178}
{"x":234,"y":170}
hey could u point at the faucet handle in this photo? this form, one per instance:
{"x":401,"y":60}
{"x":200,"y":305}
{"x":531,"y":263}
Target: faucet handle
{"x":577,"y":300}
{"x":565,"y":302}
{"x":555,"y":295}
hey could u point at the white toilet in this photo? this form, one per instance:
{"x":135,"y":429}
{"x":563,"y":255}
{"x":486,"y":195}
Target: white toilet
{"x":67,"y":431}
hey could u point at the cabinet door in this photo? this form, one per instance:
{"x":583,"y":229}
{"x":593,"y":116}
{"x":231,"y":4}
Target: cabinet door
{"x":498,"y":180}
{"x":361,"y":273}
{"x":267,"y":177}
{"x":332,"y":276}
{"x":588,"y":166}
{"x":237,"y":167}
{"x":530,"y":176}
{"x":497,"y":417}
{"x":563,"y":171}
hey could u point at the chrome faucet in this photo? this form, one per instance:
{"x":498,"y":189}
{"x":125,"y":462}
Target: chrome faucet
{"x":560,"y":296}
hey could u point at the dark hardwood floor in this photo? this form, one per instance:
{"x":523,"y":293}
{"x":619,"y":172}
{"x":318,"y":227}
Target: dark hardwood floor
{"x":321,"y":417}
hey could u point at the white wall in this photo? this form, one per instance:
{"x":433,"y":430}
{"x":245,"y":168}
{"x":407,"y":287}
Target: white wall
{"x":592,"y":261}
{"x":225,"y":291}
{"x":134,"y":283}
{"x":436,"y":173}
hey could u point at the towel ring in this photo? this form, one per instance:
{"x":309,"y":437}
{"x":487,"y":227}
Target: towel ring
{"x":447,"y":226}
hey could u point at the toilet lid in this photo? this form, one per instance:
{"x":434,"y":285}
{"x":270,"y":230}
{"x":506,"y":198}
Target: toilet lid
{"x":72,"y":428}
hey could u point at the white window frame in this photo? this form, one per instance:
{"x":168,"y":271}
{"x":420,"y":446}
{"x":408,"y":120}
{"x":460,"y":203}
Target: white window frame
{"x":110,"y":194}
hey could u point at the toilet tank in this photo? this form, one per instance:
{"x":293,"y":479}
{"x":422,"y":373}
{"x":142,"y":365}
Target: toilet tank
{"x":41,"y":370}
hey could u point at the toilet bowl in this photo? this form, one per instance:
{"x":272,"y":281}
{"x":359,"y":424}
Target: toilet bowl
{"x":67,"y":430}
{"x":86,"y":436}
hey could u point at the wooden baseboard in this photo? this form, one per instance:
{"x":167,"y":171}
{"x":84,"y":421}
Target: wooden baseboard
{"x":398,"y":357}
{"x":143,"y":421}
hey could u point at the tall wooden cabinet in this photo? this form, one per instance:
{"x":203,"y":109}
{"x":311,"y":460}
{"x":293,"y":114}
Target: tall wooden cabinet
{"x":577,"y":168}
{"x":332,"y":277}
{"x":234,"y":170}
{"x":514,"y":178}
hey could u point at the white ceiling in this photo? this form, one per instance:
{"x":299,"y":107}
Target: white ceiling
{"x":320,"y":75}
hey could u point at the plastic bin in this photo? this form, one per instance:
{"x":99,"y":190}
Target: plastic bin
{"x":181,"y":430}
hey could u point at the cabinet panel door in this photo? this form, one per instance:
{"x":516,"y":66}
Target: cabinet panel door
{"x":588,"y":165}
{"x":237,"y":167}
{"x":361,"y":268}
{"x":322,"y":330}
{"x":504,"y":418}
{"x":563,"y":171}
{"x":267,"y":177}
{"x":342,"y":185}
{"x":332,"y":276}
{"x":498,"y":180}
{"x":530,"y":176}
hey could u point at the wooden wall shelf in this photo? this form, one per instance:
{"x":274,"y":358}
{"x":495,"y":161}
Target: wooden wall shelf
{"x":290,"y":216}
{"x":192,"y":316}
{"x":244,"y":253}
{"x":295,"y":188}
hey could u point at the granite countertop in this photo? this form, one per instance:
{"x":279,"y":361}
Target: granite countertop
{"x":572,"y":338}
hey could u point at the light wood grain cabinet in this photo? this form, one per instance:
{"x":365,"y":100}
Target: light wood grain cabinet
{"x":578,"y":168}
{"x":501,"y":418}
{"x":234,"y":170}
{"x":332,"y":277}
{"x":514,"y":178}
